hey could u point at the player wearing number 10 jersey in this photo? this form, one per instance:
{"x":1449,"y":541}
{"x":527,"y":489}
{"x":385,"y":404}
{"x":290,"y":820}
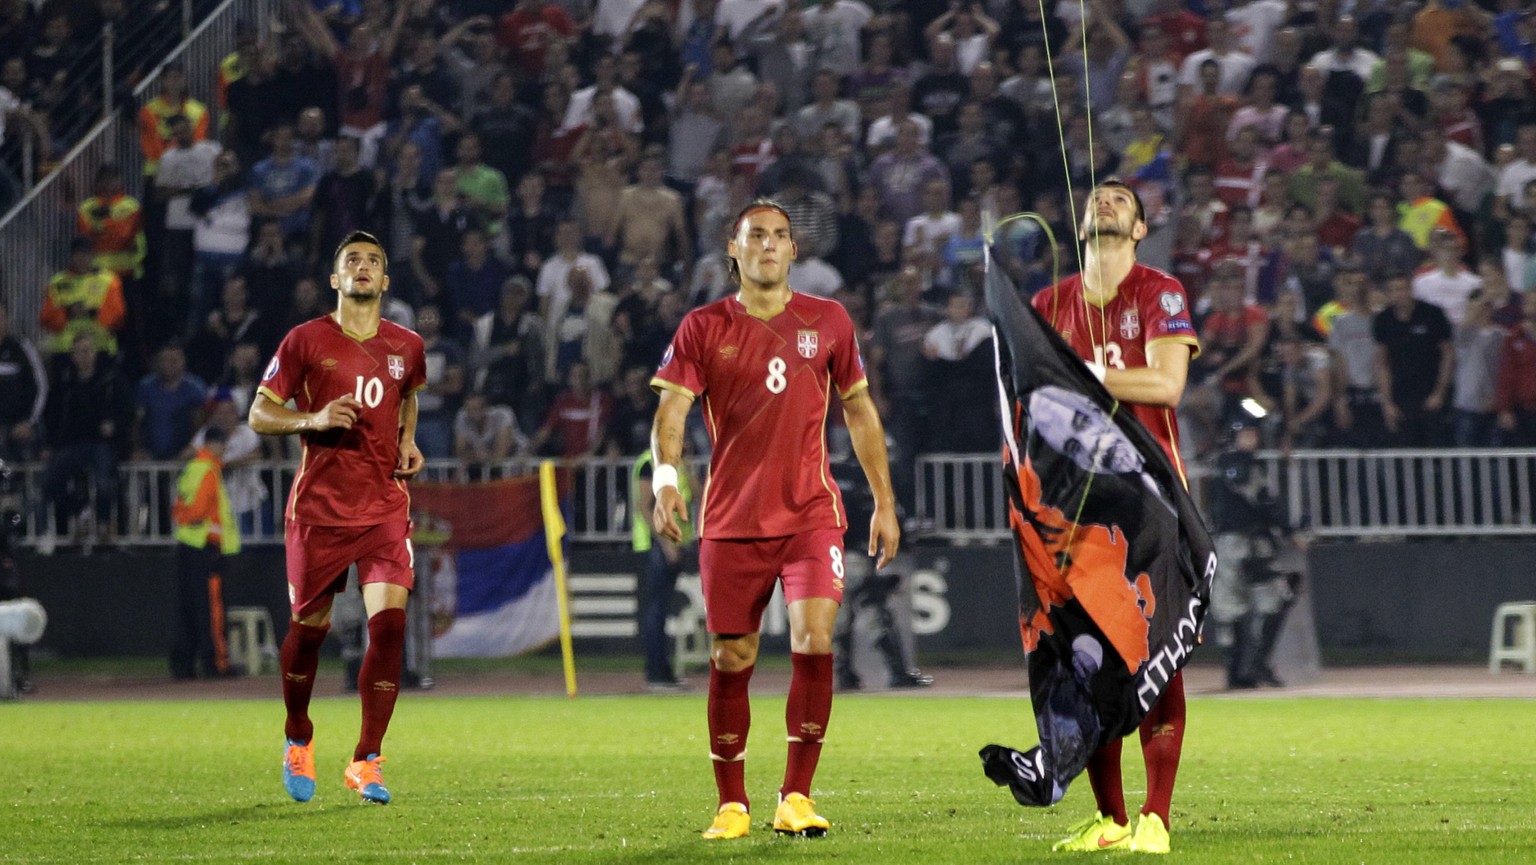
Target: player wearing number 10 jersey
{"x":353,"y":379}
{"x":766,"y":365}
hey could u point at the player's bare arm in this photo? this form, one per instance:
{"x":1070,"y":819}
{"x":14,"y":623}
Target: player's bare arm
{"x":868,"y":436}
{"x":1160,"y":383}
{"x":269,"y":417}
{"x":411,"y":461}
{"x":667,"y":453}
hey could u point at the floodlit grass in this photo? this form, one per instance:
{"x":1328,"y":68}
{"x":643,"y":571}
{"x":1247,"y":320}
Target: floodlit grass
{"x":626,"y":780}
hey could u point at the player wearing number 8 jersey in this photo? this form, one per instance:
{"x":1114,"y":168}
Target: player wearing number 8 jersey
{"x":766,"y":365}
{"x":353,"y":380}
{"x":1130,"y":323}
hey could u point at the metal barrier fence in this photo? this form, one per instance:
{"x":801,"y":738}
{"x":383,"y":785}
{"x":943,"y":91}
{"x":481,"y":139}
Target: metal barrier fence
{"x":959,"y":496}
{"x":141,"y":516}
{"x":35,"y":234}
{"x":1329,"y":493}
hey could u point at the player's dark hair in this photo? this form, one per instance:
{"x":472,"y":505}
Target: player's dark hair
{"x":1141,"y":210}
{"x":755,"y":205}
{"x":358,"y":237}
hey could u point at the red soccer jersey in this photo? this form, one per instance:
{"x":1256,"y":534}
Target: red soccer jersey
{"x":1150,"y":307}
{"x":346,"y":477}
{"x":767,"y":388}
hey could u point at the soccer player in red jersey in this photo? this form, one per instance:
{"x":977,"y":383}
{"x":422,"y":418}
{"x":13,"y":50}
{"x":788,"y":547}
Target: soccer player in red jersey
{"x":1131,"y":324}
{"x":766,"y":364}
{"x":353,"y":379}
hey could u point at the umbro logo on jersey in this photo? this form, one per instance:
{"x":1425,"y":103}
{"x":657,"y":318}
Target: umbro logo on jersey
{"x":329,"y":363}
{"x":729,"y":351}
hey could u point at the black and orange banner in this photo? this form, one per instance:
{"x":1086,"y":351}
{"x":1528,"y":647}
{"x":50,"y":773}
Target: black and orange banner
{"x":1114,"y":564}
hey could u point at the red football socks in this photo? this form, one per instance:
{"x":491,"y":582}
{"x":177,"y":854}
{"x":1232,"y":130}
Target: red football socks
{"x":299,"y":658}
{"x":805,"y":719}
{"x":378,"y":683}
{"x":1104,"y":775}
{"x":730,"y":716}
{"x":1162,"y":742}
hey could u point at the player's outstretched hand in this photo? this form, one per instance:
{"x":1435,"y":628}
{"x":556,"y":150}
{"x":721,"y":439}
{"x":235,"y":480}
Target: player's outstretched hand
{"x":669,"y":514}
{"x":339,"y":413}
{"x":884,"y":536}
{"x":411,"y":461}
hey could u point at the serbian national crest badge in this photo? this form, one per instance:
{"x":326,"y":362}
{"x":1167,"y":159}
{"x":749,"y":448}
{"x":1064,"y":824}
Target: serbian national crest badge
{"x":396,"y":367}
{"x":1130,"y":324}
{"x":807,"y":344}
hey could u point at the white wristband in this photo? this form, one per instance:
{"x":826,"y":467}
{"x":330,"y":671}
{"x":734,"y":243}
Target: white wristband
{"x":663,"y":476}
{"x":1097,"y":369}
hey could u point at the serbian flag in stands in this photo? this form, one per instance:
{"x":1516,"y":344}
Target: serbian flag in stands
{"x":1114,"y":564}
{"x":482,"y":548}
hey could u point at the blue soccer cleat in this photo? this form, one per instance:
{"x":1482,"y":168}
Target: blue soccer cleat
{"x":367,"y":779}
{"x":299,"y":770}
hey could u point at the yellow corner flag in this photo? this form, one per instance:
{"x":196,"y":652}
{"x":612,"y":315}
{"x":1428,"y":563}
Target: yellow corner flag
{"x":554,"y":537}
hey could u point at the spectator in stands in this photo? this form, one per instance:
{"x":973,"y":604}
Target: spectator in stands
{"x":169,"y":406}
{"x":1373,"y":147}
{"x":1506,"y":102}
{"x":1305,"y":382}
{"x":603,"y":158}
{"x":898,"y":374}
{"x":506,"y":128}
{"x":1357,"y":411}
{"x":579,"y":329}
{"x":186,"y":166}
{"x":242,"y":448}
{"x":482,"y":188}
{"x":439,"y":238}
{"x":305,"y":305}
{"x":438,"y":401}
{"x":155,"y":133}
{"x":837,"y":28}
{"x":1460,"y":171}
{"x":1421,"y":213}
{"x":485,"y":433}
{"x":233,"y":322}
{"x":1517,"y":173}
{"x":1515,"y":399}
{"x":554,"y":280}
{"x":361,"y":69}
{"x":310,"y":140}
{"x":1232,"y":338}
{"x":85,"y":418}
{"x":82,"y":298}
{"x":527,"y":32}
{"x":962,"y":411}
{"x":634,"y":407}
{"x":651,"y":222}
{"x":23,"y":393}
{"x":577,"y":423}
{"x":345,"y":200}
{"x":420,"y":64}
{"x":901,"y":176}
{"x":1446,"y":282}
{"x":1322,"y":164}
{"x":243,"y":375}
{"x":473,"y":284}
{"x":696,"y":132}
{"x":113,"y":220}
{"x":1233,"y":65}
{"x":1415,"y":362}
{"x":508,"y":352}
{"x":220,"y":233}
{"x":1383,"y":247}
{"x":54,"y":53}
{"x":282,"y":187}
{"x":782,"y":53}
{"x":1479,"y":352}
{"x":270,"y":271}
{"x":530,"y":228}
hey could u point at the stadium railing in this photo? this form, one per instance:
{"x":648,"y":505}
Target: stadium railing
{"x":35,"y":234}
{"x":1329,"y":493}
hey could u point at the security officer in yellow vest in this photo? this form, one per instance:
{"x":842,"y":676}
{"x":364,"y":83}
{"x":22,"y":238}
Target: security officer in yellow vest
{"x":658,"y":577}
{"x":206,"y":532}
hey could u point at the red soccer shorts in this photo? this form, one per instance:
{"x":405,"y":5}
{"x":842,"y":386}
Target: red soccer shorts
{"x":738,"y":576}
{"x":318,"y":557}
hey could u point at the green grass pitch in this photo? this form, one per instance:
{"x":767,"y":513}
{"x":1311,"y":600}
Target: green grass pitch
{"x":626,"y":780}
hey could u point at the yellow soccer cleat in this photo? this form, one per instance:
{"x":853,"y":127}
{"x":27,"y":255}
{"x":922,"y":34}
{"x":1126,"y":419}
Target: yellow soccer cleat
{"x":731,"y":821}
{"x":1094,"y":834}
{"x":1151,"y":835}
{"x":797,"y":816}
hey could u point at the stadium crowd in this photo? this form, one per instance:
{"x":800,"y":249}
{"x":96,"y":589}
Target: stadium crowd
{"x":1345,"y":190}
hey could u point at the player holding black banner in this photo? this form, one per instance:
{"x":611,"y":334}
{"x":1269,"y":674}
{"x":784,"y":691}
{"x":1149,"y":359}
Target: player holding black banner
{"x":1131,"y":324}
